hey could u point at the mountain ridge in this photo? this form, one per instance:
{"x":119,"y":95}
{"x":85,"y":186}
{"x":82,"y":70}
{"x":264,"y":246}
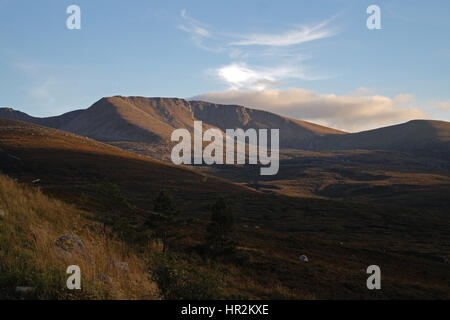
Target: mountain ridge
{"x":150,"y":121}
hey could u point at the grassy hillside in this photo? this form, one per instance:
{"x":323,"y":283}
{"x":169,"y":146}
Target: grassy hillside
{"x":30,"y":225}
{"x":271,"y":231}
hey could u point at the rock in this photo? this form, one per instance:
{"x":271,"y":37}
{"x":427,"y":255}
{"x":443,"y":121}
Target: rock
{"x":121,"y":265}
{"x":69,"y":245}
{"x":106,"y":279}
{"x":304,"y":258}
{"x":63,"y":254}
{"x":24,"y":290}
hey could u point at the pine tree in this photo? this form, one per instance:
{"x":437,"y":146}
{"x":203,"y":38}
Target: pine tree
{"x":164,"y":205}
{"x":221,"y":225}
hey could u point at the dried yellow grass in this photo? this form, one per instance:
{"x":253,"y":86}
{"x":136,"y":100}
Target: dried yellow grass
{"x":29,"y":228}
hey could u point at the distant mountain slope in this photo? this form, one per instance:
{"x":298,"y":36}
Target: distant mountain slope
{"x":53,"y":122}
{"x":293,"y":133}
{"x":152,"y":120}
{"x":137,"y":122}
{"x":424,"y":136}
{"x":12,"y":114}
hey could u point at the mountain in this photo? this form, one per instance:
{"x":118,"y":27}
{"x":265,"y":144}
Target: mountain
{"x":145,"y":125}
{"x":424,"y":136}
{"x":293,"y":133}
{"x":10,"y":113}
{"x":99,"y":183}
{"x":152,"y":120}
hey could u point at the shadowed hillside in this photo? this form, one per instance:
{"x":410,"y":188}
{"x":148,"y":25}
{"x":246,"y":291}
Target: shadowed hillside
{"x":271,"y":231}
{"x":427,"y":137}
{"x":35,"y":152}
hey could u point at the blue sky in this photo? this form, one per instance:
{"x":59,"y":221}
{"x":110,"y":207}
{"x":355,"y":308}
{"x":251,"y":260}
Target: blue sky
{"x":312,"y":60}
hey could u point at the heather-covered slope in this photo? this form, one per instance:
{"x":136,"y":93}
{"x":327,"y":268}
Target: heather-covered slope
{"x":341,"y":238}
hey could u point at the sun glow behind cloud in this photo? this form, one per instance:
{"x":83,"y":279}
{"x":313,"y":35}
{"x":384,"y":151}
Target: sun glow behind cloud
{"x":281,"y":61}
{"x":241,"y":76}
{"x":261,"y":62}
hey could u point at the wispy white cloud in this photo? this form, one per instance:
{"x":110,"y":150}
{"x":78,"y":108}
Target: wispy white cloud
{"x":403,"y":99}
{"x":43,"y":93}
{"x":345,"y":112}
{"x":43,"y":84}
{"x":193,"y":26}
{"x":275,"y":57}
{"x":362,"y":91}
{"x":444,"y":105}
{"x":200,"y":33}
{"x":287,"y":38}
{"x":439,"y":108}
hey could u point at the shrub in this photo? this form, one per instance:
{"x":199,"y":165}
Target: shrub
{"x":176,"y":281}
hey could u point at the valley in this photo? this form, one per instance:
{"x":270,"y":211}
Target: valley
{"x":299,"y":212}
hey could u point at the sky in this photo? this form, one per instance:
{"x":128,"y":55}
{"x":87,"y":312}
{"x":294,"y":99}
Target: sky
{"x":309,"y":60}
